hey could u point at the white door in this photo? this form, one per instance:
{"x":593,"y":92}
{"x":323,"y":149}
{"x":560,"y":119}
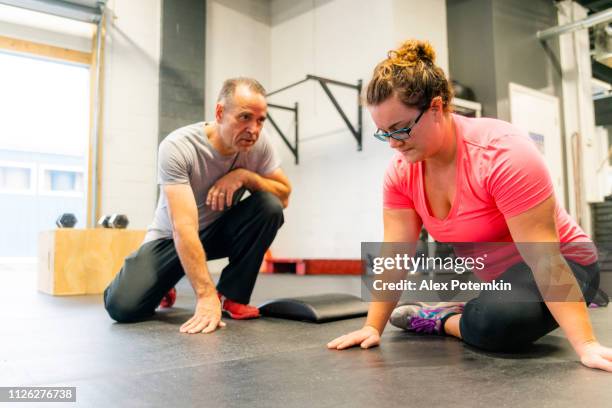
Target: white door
{"x":538,"y":114}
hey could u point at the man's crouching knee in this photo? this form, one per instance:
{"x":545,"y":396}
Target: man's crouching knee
{"x":268,"y":205}
{"x":123,"y":309}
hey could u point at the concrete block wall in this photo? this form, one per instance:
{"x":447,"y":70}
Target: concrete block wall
{"x":471,"y":52}
{"x":181,"y":82}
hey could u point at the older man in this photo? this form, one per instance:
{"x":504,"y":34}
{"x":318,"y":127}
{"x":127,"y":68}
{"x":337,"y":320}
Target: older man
{"x":203,"y":169}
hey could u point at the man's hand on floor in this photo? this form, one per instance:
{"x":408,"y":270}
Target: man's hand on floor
{"x":207,"y":316}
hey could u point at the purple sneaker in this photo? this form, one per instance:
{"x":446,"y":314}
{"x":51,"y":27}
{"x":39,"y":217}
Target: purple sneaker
{"x":424,"y":319}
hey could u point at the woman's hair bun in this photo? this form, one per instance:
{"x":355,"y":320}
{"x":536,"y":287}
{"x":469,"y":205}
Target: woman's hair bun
{"x":410,"y":72}
{"x":411,"y":51}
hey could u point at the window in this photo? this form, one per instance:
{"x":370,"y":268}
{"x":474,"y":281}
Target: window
{"x":16,"y":178}
{"x":64,"y":181}
{"x":44,"y":141}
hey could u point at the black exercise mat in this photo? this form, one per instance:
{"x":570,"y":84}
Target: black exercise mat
{"x":322,"y":308}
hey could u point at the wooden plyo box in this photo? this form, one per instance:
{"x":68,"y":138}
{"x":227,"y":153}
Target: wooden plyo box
{"x":83,"y":261}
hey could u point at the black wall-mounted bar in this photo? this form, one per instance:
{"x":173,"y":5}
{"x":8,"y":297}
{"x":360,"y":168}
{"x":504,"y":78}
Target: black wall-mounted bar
{"x":294,"y":148}
{"x":324,"y":82}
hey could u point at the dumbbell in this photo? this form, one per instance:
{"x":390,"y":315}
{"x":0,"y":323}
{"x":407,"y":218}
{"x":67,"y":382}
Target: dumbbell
{"x":66,"y":220}
{"x":119,"y":221}
{"x":103,"y":221}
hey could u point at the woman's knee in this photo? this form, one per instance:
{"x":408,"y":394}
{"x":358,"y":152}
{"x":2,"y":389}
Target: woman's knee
{"x":504,"y":326}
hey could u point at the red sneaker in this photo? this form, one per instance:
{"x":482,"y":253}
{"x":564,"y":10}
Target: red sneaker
{"x":238,"y":311}
{"x":168,"y":299}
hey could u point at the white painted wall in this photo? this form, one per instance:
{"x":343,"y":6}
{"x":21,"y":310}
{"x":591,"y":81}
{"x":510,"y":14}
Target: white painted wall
{"x":336,"y":202}
{"x":424,"y":20}
{"x":130,"y":119}
{"x":238,"y":44}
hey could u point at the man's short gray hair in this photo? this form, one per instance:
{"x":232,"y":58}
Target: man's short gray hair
{"x":229,"y":88}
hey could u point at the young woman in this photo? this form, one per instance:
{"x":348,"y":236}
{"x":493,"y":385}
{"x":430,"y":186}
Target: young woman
{"x":475,"y":180}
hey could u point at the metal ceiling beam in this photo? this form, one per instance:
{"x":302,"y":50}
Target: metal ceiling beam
{"x":593,"y":19}
{"x":595,"y":5}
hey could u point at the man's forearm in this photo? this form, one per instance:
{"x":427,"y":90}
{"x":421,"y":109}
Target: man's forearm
{"x":193,"y":259}
{"x":255,"y":182}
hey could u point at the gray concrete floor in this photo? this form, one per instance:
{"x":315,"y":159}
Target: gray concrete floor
{"x":70,"y":341}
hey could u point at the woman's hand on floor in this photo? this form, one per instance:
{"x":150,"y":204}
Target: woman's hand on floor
{"x":366,"y":337}
{"x":594,"y":355}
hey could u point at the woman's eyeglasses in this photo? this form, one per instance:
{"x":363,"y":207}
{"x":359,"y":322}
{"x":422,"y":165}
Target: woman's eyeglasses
{"x":399,"y":134}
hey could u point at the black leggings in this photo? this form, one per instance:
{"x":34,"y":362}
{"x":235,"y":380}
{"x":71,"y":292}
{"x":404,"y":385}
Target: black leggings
{"x":492,"y":323}
{"x":243,"y":233}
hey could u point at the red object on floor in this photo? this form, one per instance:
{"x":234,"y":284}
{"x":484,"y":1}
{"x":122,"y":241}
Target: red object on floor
{"x":284,"y":265}
{"x":264,"y":264}
{"x":312,"y":266}
{"x":238,"y":311}
{"x":333,"y":266}
{"x":168,"y":299}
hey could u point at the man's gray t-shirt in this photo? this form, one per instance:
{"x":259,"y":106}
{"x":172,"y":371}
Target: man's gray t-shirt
{"x":187,"y":157}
